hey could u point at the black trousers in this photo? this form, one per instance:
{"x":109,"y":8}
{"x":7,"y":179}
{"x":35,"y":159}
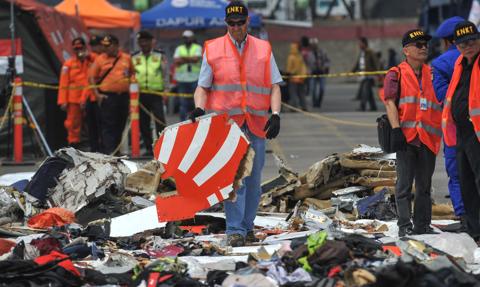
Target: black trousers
{"x":468,"y":165}
{"x":93,"y":124}
{"x":154,"y":104}
{"x":415,"y":163}
{"x":114,"y":113}
{"x":365,"y":93}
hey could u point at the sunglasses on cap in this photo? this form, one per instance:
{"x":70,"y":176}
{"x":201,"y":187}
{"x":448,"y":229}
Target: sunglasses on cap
{"x":419,"y":45}
{"x":236,"y":23}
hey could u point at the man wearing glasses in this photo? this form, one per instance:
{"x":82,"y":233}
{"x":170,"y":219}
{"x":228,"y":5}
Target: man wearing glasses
{"x":461,"y":120}
{"x":239,"y":76}
{"x":415,"y":116}
{"x":74,"y":74}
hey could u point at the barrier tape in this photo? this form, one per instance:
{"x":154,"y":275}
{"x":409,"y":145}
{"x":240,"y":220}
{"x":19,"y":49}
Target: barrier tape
{"x":339,"y":75}
{"x":325,"y":118}
{"x":187,"y":95}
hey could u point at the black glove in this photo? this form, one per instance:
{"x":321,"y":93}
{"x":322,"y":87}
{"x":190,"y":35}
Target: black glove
{"x":399,"y":142}
{"x":197,"y":112}
{"x":272,"y":127}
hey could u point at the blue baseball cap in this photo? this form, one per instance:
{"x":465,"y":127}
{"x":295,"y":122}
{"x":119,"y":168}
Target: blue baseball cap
{"x":447,"y":28}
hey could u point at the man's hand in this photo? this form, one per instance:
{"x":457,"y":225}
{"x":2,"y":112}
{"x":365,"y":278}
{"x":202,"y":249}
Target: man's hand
{"x":272,"y":127}
{"x":63,"y":107}
{"x":100,"y":98}
{"x":399,"y":142}
{"x":197,"y":112}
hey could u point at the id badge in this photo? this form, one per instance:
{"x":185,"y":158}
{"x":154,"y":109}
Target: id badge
{"x":423,"y":104}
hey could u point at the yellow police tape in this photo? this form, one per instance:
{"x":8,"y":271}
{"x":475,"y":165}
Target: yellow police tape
{"x":338,"y":75}
{"x":187,"y":95}
{"x":325,"y":118}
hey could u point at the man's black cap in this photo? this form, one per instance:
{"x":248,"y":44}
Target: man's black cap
{"x":78,"y":43}
{"x":144,"y":35}
{"x":236,"y":10}
{"x":415,"y":35}
{"x":95,"y":40}
{"x":109,"y":40}
{"x":465,"y":31}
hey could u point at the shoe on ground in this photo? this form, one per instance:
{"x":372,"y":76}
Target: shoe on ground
{"x":235,"y":240}
{"x":250,"y":238}
{"x":404,"y":231}
{"x":426,"y":230}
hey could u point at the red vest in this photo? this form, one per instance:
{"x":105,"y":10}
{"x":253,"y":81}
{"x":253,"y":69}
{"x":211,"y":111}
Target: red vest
{"x":242,"y":83}
{"x":419,"y":111}
{"x":448,"y":124}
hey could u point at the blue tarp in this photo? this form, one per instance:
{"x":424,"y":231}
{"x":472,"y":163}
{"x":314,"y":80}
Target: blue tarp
{"x":189,"y":14}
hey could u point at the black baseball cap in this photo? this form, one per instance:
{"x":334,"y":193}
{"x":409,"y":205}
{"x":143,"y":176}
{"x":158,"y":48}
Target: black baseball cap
{"x":415,"y":35}
{"x":465,"y":31}
{"x":78,"y":43}
{"x":144,"y":35}
{"x":109,"y":40}
{"x":236,"y":10}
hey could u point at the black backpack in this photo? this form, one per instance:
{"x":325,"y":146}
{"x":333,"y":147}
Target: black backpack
{"x":46,"y":177}
{"x":384,"y":128}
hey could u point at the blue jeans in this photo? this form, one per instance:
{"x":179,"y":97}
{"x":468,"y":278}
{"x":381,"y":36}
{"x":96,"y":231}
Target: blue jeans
{"x":241,"y":213}
{"x":186,"y":104}
{"x":453,"y":180}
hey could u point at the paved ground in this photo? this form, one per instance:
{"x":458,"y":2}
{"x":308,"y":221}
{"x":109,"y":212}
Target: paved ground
{"x":305,"y":140}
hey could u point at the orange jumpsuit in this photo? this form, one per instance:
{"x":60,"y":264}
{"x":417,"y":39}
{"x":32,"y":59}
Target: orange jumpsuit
{"x":74,"y":74}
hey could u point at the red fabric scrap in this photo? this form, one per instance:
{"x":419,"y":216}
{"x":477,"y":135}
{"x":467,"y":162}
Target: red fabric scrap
{"x":334,"y":271}
{"x":197,"y":229}
{"x":394,"y":249}
{"x":55,"y":216}
{"x":55,"y":255}
{"x":6,"y":245}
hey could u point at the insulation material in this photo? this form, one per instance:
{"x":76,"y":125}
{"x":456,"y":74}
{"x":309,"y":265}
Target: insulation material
{"x":92,"y":175}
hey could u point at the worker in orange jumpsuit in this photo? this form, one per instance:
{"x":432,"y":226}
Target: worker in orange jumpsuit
{"x":74,"y":74}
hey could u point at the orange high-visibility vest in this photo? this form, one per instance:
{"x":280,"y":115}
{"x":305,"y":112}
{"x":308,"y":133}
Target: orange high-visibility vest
{"x":419,"y":111}
{"x":241,"y":84}
{"x":74,"y":74}
{"x":448,"y":124}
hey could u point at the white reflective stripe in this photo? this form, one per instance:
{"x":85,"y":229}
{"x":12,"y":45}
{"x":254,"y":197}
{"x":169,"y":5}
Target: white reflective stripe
{"x":221,"y":158}
{"x":408,"y":124}
{"x":434,"y":106}
{"x":237,"y":111}
{"x":430,"y":129}
{"x":226,"y":191}
{"x":167,"y":145}
{"x":133,"y":88}
{"x":474,"y":112}
{"x":257,"y":112}
{"x":239,"y":88}
{"x":212,"y":199}
{"x":259,"y":90}
{"x":407,"y":100}
{"x":196,"y":144}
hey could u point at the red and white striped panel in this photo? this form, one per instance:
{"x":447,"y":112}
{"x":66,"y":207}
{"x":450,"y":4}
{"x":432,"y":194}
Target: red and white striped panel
{"x":203,"y":158}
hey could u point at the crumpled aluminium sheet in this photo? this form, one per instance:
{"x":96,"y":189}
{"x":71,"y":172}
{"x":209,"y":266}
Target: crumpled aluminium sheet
{"x":92,"y":176}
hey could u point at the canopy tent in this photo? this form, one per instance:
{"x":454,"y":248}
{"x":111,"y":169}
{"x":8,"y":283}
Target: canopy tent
{"x":193,"y":14}
{"x":43,"y":38}
{"x":100,"y":14}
